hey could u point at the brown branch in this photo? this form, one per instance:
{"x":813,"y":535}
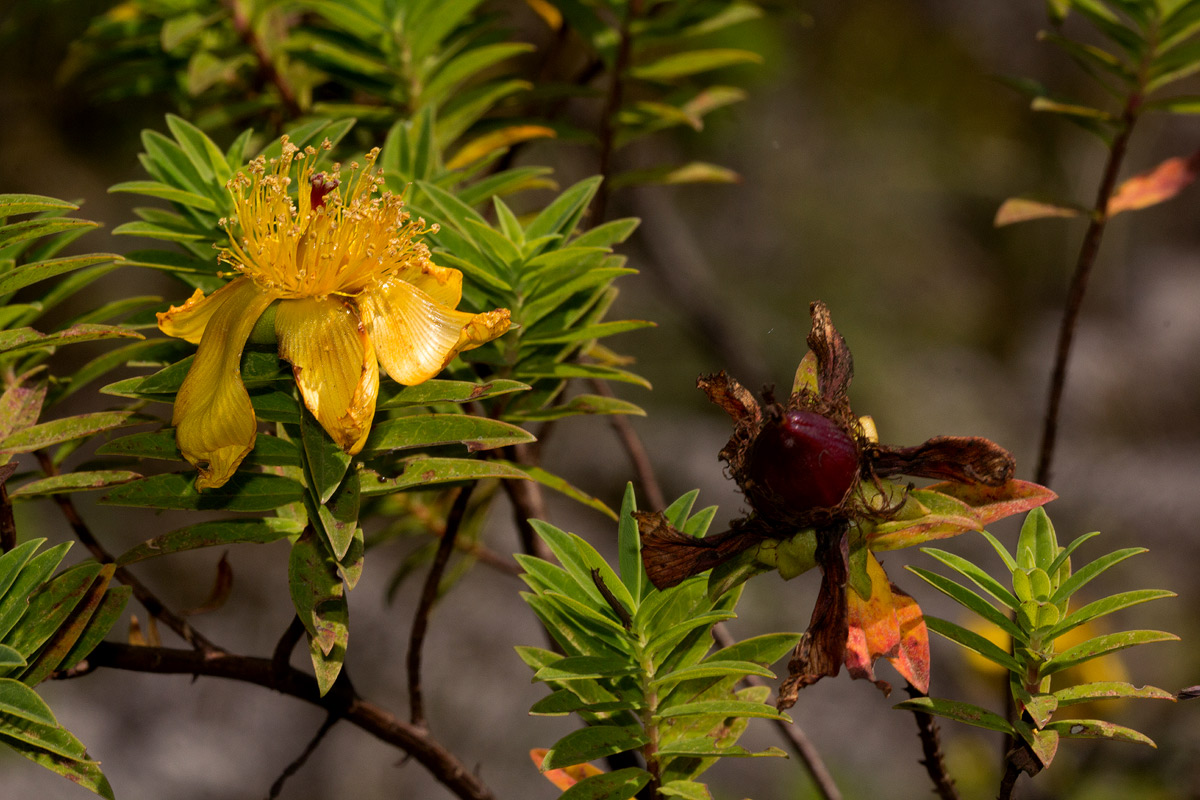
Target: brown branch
{"x":1009,"y":780}
{"x":792,"y":733}
{"x":341,"y":701}
{"x":266,"y":65}
{"x":934,"y":762}
{"x":429,"y":594}
{"x":292,"y":768}
{"x":147,"y":598}
{"x":528,"y":503}
{"x":286,"y":644}
{"x":1078,"y":288}
{"x":612,"y":107}
{"x":636,"y":451}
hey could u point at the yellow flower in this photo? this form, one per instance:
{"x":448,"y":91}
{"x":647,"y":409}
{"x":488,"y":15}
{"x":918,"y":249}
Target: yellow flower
{"x":356,"y":291}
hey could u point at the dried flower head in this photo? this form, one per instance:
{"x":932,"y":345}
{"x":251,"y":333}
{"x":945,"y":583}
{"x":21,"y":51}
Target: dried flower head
{"x":819,"y":488}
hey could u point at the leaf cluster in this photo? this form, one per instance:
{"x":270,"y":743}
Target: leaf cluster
{"x":1039,"y":597}
{"x":48,"y":624}
{"x":635,"y":663}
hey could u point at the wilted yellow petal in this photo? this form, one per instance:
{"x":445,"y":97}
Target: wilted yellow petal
{"x":189,"y":320}
{"x":415,"y":336}
{"x":214,"y":421}
{"x":334,"y":364}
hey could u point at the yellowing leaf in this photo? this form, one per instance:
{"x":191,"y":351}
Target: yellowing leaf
{"x":912,"y":660}
{"x":1023,"y":209}
{"x":482,"y":146}
{"x":873,"y":628}
{"x":1156,"y":185}
{"x":565,"y":777}
{"x":549,"y":14}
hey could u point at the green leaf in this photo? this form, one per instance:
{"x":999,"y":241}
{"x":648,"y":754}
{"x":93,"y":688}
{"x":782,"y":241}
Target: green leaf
{"x":968,"y":599}
{"x":578,"y":405}
{"x":692,"y":62}
{"x":560,"y":485}
{"x":723,"y":708}
{"x":1098,"y":729}
{"x":19,"y":700}
{"x":165,"y":192}
{"x":63,"y":430}
{"x":80,"y":621}
{"x":574,"y":668}
{"x":1069,"y":109}
{"x":14,"y":204}
{"x":319,"y":598}
{"x":973,"y":641}
{"x":564,"y":213}
{"x":963,"y":712}
{"x":563,"y":701}
{"x":77,"y":770}
{"x":1101,"y":646}
{"x":32,"y":575}
{"x":711,"y":669}
{"x":37,"y":228}
{"x":593,"y":742}
{"x":597,"y":331}
{"x":1087,"y":573}
{"x":763,"y":650}
{"x":10,"y":657}
{"x":41,"y":270}
{"x":477,"y":433}
{"x":975,"y":574}
{"x":213,"y":534}
{"x":705,"y":746}
{"x":1104,"y":606}
{"x":339,"y":517}
{"x":74,"y":482}
{"x":542,"y":369}
{"x":629,"y":547}
{"x":442,"y":391}
{"x":106,"y":615}
{"x":50,"y":605}
{"x":1108,"y":690}
{"x":421,"y":471}
{"x":18,"y":339}
{"x":245,"y":491}
{"x":620,"y":784}
{"x":325,"y":460}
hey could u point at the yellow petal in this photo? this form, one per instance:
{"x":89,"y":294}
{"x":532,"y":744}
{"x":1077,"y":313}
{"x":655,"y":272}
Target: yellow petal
{"x":334,"y":363}
{"x":415,"y":336}
{"x":442,"y":284}
{"x":189,"y":320}
{"x":214,"y":421}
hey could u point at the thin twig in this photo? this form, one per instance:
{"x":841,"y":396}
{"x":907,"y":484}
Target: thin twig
{"x":266,"y":65}
{"x":528,"y":503}
{"x":341,"y":700}
{"x":636,"y":451}
{"x":429,"y":594}
{"x":792,"y":733}
{"x":934,"y":762}
{"x":294,"y":767}
{"x":612,"y":107}
{"x":1011,"y":773}
{"x":1079,"y":282}
{"x":291,"y":637}
{"x":147,"y":598}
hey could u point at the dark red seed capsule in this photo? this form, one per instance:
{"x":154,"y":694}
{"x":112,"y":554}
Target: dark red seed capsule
{"x":804,"y":461}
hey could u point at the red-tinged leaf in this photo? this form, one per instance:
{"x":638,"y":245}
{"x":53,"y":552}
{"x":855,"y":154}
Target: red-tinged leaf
{"x":993,"y":503}
{"x":564,"y":777}
{"x":926,"y":515}
{"x":912,"y":659}
{"x":1098,"y":729}
{"x":1156,"y":185}
{"x":873,"y":630}
{"x":20,"y":406}
{"x":1022,"y":209}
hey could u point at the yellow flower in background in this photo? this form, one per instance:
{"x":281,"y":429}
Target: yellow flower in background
{"x":356,"y":291}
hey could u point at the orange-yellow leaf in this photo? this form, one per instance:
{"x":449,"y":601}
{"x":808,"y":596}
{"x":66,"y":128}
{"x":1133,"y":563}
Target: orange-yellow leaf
{"x":566,"y":777}
{"x":1156,"y":185}
{"x":484,"y":145}
{"x":873,"y":628}
{"x":912,"y":660}
{"x":992,"y":503}
{"x":1023,"y":209}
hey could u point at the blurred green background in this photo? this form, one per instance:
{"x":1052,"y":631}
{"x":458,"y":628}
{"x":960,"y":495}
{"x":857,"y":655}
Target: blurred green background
{"x":875,"y":147}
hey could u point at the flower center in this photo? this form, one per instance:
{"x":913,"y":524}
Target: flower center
{"x":322,"y":241}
